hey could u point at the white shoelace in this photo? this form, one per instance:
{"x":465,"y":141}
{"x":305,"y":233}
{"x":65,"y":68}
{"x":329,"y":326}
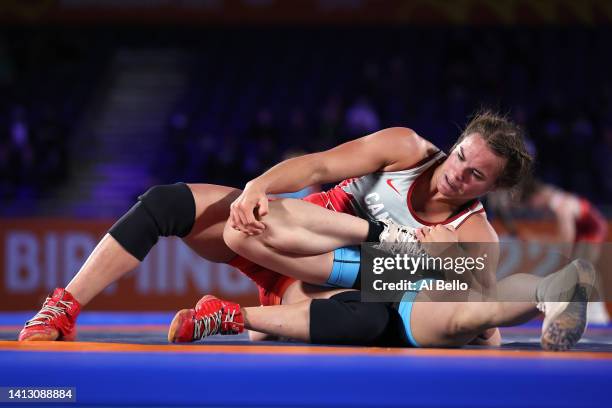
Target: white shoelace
{"x":204,"y":327}
{"x":48,"y":312}
{"x":401,"y":233}
{"x":229,"y":318}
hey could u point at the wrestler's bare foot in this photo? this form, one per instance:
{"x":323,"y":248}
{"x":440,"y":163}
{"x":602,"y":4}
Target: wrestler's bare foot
{"x":565,"y":321}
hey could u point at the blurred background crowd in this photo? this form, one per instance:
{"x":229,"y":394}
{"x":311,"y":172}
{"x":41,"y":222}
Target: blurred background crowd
{"x":91,"y":115}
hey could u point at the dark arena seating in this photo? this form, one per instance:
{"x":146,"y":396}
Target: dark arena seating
{"x":102,"y":99}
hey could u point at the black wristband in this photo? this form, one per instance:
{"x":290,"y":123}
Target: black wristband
{"x":375,"y":229}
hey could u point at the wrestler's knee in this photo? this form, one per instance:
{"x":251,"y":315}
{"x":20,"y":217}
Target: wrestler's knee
{"x":239,"y":242}
{"x":274,"y":236}
{"x":234,"y":239}
{"x":164,"y":210}
{"x":172,"y":207}
{"x":280,"y":226}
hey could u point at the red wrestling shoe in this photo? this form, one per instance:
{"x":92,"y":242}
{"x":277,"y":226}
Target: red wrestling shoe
{"x":55,"y":321}
{"x":211,"y":316}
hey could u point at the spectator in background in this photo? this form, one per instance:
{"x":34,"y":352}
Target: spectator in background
{"x":395,"y":87}
{"x":6,"y":68}
{"x":583,"y":175}
{"x":7,"y":168}
{"x":227,"y":163}
{"x":262,"y":146}
{"x":231,"y":162}
{"x":25,"y":161}
{"x":51,"y":148}
{"x":579,"y":224}
{"x":458,"y":70}
{"x":299,"y":133}
{"x":174,"y":157}
{"x":330,"y":122}
{"x":361,"y":118}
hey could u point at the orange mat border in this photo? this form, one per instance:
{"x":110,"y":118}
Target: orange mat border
{"x":129,"y":328}
{"x":44,"y":346}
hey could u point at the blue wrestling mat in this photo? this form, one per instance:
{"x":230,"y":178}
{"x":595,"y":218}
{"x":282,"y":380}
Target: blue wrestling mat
{"x":124,"y":360}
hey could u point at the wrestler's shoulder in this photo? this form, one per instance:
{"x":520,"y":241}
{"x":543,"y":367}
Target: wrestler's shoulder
{"x":407,"y":136}
{"x":409,"y":144}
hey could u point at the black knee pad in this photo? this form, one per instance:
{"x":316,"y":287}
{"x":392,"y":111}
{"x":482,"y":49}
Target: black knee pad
{"x":343,"y":319}
{"x":162,"y":211}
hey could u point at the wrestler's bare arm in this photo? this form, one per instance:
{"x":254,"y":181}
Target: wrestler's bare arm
{"x":387,"y":150}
